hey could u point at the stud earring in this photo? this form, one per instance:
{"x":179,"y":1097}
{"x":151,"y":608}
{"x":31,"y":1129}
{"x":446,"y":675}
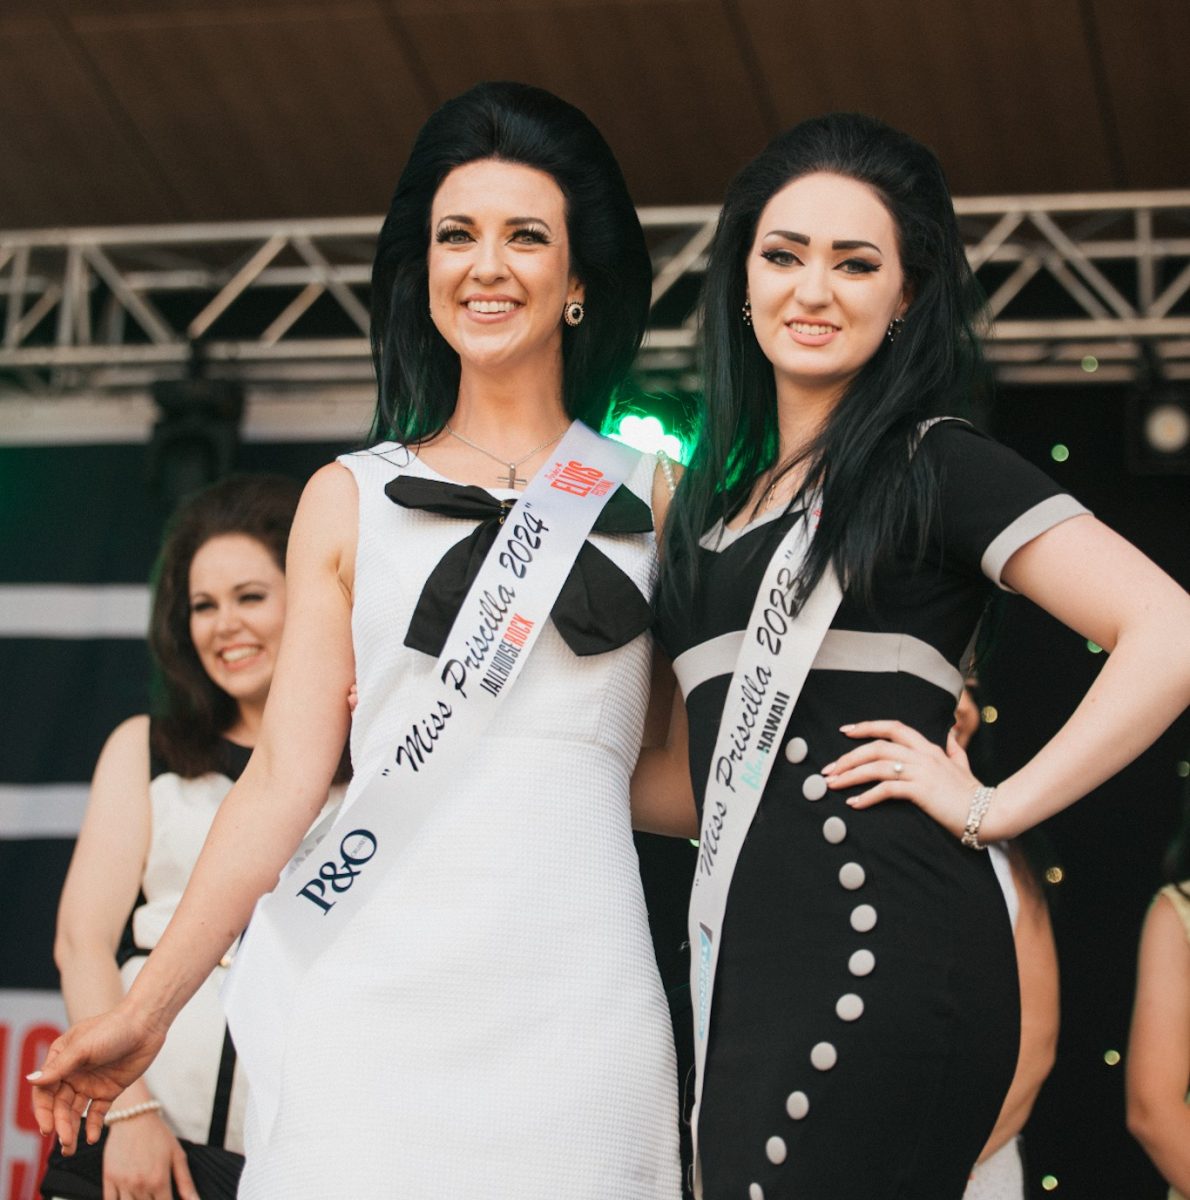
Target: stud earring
{"x":747,"y":312}
{"x":573,"y":314}
{"x":894,"y":328}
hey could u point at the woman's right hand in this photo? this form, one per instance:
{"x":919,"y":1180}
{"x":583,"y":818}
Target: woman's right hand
{"x":94,"y":1061}
{"x":140,"y":1158}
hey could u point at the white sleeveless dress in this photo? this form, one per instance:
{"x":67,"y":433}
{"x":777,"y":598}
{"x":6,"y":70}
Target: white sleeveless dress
{"x":492,"y":1026}
{"x":184,"y":1075}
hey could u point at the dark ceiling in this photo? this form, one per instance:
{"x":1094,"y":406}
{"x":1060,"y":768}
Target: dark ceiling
{"x":147,"y":111}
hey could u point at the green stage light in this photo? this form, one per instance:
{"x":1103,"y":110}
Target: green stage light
{"x":648,"y":435}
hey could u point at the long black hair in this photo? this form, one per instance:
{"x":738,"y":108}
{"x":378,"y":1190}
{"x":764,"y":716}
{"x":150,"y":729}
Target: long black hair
{"x":872,"y":496}
{"x":416,"y":370}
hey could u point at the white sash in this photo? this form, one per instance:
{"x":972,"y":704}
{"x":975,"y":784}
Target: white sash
{"x":770,"y":671}
{"x":491,"y":637}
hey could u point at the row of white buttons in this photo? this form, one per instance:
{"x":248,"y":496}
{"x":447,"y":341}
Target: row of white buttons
{"x":849,"y":1007}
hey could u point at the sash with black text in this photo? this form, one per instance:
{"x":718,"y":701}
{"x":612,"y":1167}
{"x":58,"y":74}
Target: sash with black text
{"x":770,"y":671}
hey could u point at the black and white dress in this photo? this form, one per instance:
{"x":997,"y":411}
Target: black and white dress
{"x":195,"y":1075}
{"x":865,"y":1016}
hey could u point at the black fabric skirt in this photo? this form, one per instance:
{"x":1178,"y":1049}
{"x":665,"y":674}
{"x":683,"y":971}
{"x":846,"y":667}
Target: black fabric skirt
{"x":865,"y":1026}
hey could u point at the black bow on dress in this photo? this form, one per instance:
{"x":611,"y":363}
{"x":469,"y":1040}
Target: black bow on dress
{"x":598,"y":609}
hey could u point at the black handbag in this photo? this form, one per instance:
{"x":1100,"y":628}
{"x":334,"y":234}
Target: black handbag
{"x":216,"y":1172}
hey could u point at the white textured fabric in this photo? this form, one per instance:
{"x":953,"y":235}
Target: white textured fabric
{"x":999,"y":1177}
{"x":492,"y":1025}
{"x":183,"y":1075}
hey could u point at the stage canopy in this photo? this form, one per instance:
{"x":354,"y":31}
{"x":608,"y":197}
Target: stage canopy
{"x":151,"y":111}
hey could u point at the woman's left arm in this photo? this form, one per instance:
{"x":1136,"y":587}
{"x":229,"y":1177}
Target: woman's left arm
{"x":1101,"y":586}
{"x":1158,"y":1060}
{"x":1092,"y":580}
{"x":661,"y":795}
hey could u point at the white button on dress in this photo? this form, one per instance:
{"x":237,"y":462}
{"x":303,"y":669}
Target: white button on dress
{"x":863,"y":918}
{"x":797,"y":1105}
{"x":834,"y":829}
{"x":824,"y":1056}
{"x":814,"y":788}
{"x":862,"y":962}
{"x":796,"y":750}
{"x":852,"y":876}
{"x":849,"y":1007}
{"x":776,"y":1150}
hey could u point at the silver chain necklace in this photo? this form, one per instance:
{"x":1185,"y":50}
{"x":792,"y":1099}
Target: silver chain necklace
{"x":513,"y":479}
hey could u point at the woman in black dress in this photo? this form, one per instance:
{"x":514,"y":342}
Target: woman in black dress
{"x":861,"y":1027}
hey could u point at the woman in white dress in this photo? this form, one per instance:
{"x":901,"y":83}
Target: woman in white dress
{"x":214,"y":632}
{"x":491,"y":1024}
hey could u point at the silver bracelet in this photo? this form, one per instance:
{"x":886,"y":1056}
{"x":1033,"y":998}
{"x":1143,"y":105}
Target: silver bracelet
{"x":981,"y":801}
{"x":133,"y":1110}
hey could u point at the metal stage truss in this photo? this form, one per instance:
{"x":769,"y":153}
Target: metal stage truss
{"x":1082,"y":288}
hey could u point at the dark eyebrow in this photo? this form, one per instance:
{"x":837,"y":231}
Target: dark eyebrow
{"x":512,"y":222}
{"x":803,"y":240}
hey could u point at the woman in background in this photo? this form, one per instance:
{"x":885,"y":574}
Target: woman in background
{"x":999,"y":1173}
{"x":1158,"y":1070}
{"x":215,"y":628}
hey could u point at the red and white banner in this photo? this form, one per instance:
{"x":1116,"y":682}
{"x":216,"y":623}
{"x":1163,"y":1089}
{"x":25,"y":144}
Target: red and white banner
{"x":29,"y":1022}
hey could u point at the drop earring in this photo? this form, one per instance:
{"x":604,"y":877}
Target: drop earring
{"x":747,"y":311}
{"x":894,"y":328}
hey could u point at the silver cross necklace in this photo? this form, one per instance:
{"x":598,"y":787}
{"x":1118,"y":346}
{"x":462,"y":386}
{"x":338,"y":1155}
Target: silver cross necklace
{"x":513,"y":478}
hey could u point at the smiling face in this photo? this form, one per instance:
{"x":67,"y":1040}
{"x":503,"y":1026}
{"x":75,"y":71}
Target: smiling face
{"x":237,"y":610}
{"x":824,"y":281}
{"x":499,"y":265}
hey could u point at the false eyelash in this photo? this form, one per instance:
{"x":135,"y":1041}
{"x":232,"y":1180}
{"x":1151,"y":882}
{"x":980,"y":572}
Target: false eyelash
{"x":535,"y":235}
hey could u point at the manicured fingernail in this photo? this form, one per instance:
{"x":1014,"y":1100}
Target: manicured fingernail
{"x":33,"y":1076}
{"x":852,"y":801}
{"x":828,"y":768}
{"x":846,"y":728}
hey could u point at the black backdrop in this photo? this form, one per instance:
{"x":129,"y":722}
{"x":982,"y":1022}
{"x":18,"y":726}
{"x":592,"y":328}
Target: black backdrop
{"x":85,"y":514}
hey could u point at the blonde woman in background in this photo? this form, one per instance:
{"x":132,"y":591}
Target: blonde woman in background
{"x":1159,"y":1044}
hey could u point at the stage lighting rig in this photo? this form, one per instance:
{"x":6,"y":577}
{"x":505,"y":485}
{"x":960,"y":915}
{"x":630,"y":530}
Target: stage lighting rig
{"x":196,"y":435}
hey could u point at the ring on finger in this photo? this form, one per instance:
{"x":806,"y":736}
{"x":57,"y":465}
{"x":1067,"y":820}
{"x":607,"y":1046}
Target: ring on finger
{"x":898,"y":769}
